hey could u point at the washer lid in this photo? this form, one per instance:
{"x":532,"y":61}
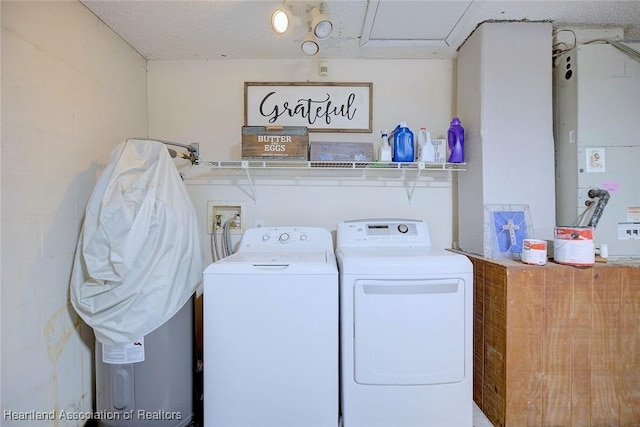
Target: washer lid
{"x":285,"y":257}
{"x":274,"y":263}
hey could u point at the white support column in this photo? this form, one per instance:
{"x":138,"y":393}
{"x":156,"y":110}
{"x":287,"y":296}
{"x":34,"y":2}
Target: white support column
{"x":504,"y":99}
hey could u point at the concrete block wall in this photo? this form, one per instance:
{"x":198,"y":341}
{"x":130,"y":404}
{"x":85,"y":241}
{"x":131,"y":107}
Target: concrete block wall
{"x":71,"y":91}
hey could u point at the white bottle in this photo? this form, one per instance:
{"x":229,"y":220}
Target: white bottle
{"x":426,"y":150}
{"x":385,"y":147}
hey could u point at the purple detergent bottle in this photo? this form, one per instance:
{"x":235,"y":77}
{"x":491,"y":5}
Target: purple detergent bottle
{"x":455,"y":137}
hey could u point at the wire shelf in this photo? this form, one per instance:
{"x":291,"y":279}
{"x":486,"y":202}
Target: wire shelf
{"x":252,"y":169}
{"x":302,"y":164}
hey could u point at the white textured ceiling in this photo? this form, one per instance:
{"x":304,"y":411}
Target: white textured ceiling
{"x":241,"y":29}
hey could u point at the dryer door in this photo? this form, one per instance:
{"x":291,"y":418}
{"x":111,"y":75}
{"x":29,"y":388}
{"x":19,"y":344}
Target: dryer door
{"x":409,"y":332}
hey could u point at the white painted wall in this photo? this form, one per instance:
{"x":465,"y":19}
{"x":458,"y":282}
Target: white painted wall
{"x":71,"y":90}
{"x":203,"y":101}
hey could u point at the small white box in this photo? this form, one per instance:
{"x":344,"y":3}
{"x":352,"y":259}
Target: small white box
{"x":440,"y":149}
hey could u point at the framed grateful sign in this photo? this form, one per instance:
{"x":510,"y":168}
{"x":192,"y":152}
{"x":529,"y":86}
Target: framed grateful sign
{"x":321,"y":107}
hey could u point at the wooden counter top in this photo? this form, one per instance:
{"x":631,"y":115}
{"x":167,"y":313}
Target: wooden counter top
{"x":627,"y":262}
{"x":557,"y":345}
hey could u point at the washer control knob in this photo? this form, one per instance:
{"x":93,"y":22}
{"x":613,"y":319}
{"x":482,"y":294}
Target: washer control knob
{"x":284,"y":237}
{"x":265,"y":237}
{"x":403,"y":228}
{"x":303,"y":237}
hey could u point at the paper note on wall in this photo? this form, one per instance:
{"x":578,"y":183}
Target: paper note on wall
{"x":595,"y":160}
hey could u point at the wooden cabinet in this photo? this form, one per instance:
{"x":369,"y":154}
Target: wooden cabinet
{"x":557,"y":345}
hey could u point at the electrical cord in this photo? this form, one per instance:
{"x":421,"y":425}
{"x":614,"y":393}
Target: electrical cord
{"x":583,"y":214}
{"x":603,"y":197}
{"x":562,"y":47}
{"x":628,"y":50}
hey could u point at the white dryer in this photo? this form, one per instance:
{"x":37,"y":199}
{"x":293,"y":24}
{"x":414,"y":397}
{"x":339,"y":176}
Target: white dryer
{"x":406,"y":327}
{"x":271,"y":332}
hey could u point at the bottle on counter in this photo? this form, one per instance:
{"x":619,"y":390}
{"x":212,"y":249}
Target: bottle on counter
{"x":403,"y":144}
{"x":426,"y":150}
{"x":384,"y":151}
{"x":455,"y":138}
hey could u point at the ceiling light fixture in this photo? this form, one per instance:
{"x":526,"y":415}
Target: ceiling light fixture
{"x":280,"y":21}
{"x":309,"y":45}
{"x":321,"y":25}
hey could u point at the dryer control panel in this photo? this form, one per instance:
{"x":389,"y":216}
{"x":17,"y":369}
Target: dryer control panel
{"x":383,"y":232}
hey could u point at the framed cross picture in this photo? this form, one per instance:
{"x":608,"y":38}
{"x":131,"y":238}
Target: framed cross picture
{"x":505,"y":228}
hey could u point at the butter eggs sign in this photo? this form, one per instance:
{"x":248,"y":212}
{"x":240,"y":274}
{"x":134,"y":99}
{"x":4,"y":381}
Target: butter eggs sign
{"x":321,"y":107}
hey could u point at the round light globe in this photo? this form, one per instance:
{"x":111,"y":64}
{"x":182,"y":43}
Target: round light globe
{"x":309,"y":47}
{"x":280,"y":21}
{"x":323,"y":29}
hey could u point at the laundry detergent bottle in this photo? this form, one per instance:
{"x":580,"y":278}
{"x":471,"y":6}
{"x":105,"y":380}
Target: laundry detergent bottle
{"x":402,"y":144}
{"x":455,"y":138}
{"x":385,"y":148}
{"x":425,"y":152}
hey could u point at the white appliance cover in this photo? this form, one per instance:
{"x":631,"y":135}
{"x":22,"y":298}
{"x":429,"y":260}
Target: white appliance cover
{"x":139,"y":257}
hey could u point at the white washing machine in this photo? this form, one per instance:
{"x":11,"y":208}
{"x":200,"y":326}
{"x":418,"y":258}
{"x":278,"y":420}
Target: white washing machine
{"x":406,"y":327}
{"x":271,"y":332}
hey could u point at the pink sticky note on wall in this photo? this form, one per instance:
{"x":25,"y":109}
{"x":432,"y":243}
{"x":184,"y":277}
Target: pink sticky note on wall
{"x":611,"y":187}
